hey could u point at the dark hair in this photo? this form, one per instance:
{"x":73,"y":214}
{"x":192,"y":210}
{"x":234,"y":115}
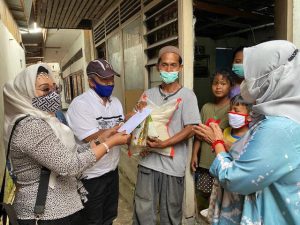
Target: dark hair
{"x":238,"y":100}
{"x":226,"y":74}
{"x":42,"y":69}
{"x":238,"y":49}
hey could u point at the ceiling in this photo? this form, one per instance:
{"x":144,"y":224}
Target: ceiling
{"x":21,"y":11}
{"x":70,"y":14}
{"x":58,"y":42}
{"x":57,"y":15}
{"x":215,"y":18}
{"x":221,"y":18}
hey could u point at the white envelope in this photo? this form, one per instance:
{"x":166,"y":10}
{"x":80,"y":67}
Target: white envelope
{"x":135,"y":120}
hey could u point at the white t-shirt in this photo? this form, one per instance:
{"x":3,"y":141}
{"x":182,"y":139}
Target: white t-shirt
{"x":86,"y":115}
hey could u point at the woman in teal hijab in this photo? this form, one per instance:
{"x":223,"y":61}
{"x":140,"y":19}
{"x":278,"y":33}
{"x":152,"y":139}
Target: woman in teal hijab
{"x":262,"y":169}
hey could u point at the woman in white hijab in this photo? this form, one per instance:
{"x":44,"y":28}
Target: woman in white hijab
{"x":40,"y":140}
{"x":263,"y":167}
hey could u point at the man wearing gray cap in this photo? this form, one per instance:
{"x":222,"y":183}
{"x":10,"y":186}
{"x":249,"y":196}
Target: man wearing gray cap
{"x":160,"y":179}
{"x":89,"y":114}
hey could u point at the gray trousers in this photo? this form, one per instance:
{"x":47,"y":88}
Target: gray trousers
{"x":157,"y":192}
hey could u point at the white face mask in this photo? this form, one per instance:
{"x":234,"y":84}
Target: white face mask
{"x":237,"y":120}
{"x":246,"y":94}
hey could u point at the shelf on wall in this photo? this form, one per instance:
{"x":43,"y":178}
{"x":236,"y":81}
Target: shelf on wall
{"x":161,"y":26}
{"x":164,"y":41}
{"x":152,"y":61}
{"x":159,"y":11}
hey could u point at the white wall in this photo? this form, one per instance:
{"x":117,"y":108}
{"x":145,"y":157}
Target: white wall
{"x":55,"y":72}
{"x":80,"y":64}
{"x":55,"y":67}
{"x":12,"y":61}
{"x":296,"y":23}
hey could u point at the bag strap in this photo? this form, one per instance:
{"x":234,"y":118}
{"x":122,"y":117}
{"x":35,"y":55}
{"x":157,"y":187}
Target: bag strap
{"x":42,"y":189}
{"x":7,"y":209}
{"x":41,"y":197}
{"x":7,"y":154}
{"x":39,"y":207}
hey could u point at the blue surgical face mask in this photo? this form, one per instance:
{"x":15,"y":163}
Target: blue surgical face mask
{"x":103,"y":90}
{"x":169,"y":77}
{"x":238,"y":69}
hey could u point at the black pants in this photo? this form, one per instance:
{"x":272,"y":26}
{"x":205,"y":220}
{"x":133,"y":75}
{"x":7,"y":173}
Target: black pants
{"x":74,"y":219}
{"x":102,"y":205}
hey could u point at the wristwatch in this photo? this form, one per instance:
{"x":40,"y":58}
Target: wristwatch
{"x":97,"y":141}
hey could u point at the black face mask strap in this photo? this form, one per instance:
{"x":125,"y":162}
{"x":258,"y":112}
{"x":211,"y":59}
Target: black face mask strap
{"x":293,"y":55}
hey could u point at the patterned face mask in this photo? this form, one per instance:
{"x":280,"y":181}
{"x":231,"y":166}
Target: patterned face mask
{"x":47,"y":103}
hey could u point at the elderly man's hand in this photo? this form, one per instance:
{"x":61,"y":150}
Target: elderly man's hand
{"x":155,"y":143}
{"x":144,"y":153}
{"x":140,"y":105}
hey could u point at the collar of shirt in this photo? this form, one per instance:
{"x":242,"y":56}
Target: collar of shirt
{"x":164,"y":95}
{"x":100,"y":99}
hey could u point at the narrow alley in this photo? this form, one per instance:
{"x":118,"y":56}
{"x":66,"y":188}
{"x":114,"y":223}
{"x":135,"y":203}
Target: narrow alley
{"x":105,"y":58}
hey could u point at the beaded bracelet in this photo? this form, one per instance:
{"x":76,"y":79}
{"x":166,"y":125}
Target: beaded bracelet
{"x":213,"y":145}
{"x":106,"y":147}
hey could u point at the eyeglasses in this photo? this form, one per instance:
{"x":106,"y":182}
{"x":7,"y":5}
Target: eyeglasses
{"x":47,"y":90}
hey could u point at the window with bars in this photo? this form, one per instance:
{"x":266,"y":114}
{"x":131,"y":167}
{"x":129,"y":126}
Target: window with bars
{"x":118,"y":16}
{"x":73,"y":85}
{"x":161,"y":23}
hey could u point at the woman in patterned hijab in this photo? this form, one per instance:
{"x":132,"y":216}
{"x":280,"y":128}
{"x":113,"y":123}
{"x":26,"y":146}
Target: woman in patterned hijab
{"x":18,"y":96}
{"x":262,"y":169}
{"x":40,"y":140}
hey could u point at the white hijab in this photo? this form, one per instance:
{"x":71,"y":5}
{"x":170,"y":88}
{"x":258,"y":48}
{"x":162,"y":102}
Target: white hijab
{"x":273,"y":80}
{"x":18,"y":95}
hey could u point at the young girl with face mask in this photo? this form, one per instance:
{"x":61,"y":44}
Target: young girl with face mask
{"x":239,"y":120}
{"x":212,"y":111}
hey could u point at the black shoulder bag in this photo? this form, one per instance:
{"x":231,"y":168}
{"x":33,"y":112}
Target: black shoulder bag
{"x":7,"y":210}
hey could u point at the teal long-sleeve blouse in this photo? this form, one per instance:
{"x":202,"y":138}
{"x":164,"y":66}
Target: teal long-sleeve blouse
{"x":265,"y":175}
